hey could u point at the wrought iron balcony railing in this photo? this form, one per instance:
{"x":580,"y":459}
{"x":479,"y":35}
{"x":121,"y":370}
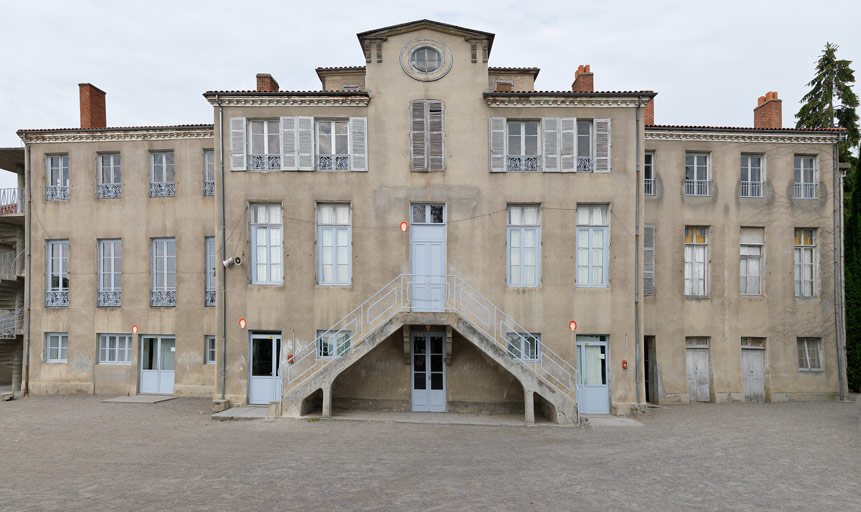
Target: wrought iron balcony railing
{"x":585,"y":164}
{"x":109,"y":191}
{"x":163,"y":298}
{"x":209,"y":188}
{"x":57,"y":298}
{"x":56,"y":193}
{"x":162,"y":189}
{"x":110,"y":298}
{"x":264,"y":162}
{"x":524,"y":163}
{"x":333,"y":162}
{"x":209,"y":298}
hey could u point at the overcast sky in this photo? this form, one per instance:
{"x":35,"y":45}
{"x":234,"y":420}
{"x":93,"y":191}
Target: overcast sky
{"x":708,"y":61}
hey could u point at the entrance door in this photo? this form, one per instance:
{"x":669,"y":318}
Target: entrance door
{"x":157,"y":364}
{"x":593,"y":393}
{"x":428,"y":257}
{"x":752,"y":373}
{"x":264,"y":384}
{"x":428,"y":371}
{"x":650,"y":365}
{"x":698,"y":374}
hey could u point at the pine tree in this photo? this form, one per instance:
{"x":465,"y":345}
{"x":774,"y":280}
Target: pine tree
{"x":852,"y":268}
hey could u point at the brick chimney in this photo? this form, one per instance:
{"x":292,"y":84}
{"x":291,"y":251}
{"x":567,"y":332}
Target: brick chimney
{"x":583,"y":80}
{"x":768,"y":113}
{"x":92,"y":107}
{"x":649,"y":113}
{"x":265,"y":83}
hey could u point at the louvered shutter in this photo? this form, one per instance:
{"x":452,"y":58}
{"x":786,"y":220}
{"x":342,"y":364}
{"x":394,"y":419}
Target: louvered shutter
{"x":288,"y":144}
{"x":497,"y":144}
{"x":603,"y":144}
{"x":418,"y":136}
{"x":550,"y":150}
{"x":568,"y":143}
{"x":237,"y":143}
{"x":305,"y":143}
{"x":359,"y":143}
{"x":649,"y":259}
{"x":436,"y":136}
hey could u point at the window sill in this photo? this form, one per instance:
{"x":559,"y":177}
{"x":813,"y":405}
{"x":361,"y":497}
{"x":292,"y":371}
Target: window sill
{"x":811,"y":370}
{"x":211,"y":363}
{"x":63,"y":361}
{"x":807,"y":299}
{"x":267,"y":285}
{"x":591,"y":286}
{"x":752,"y":297}
{"x":106,"y":363}
{"x":697,"y":297}
{"x":341,"y":286}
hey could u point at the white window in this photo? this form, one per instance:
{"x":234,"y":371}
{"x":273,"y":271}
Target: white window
{"x":524,"y":154}
{"x":523,"y":346}
{"x":57,"y":294}
{"x":752,"y":175}
{"x":57,"y":347}
{"x":805,"y":262}
{"x":264,"y":144}
{"x":524,"y":245}
{"x":649,"y":173}
{"x":425,"y":59}
{"x":163,"y":272}
{"x":696,"y":174}
{"x":266,"y":244}
{"x":208,"y":172}
{"x":422,"y":213}
{"x":427,"y":135}
{"x":332,"y":343}
{"x":696,"y":261}
{"x":333,"y":244}
{"x":806,"y":177}
{"x":808,"y":354}
{"x":592,"y":244}
{"x":209,"y":350}
{"x":110,"y":273}
{"x":333,"y":146}
{"x":161,"y":174}
{"x":115,"y":349}
{"x":110,"y":177}
{"x":750,"y":261}
{"x":209,"y":291}
{"x":585,"y":162}
{"x":57,"y":186}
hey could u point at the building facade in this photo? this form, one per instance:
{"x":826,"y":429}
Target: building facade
{"x":429,"y":233}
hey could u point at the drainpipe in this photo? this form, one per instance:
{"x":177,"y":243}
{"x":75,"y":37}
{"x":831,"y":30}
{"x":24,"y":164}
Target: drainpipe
{"x":29,"y":223}
{"x":637,"y":258}
{"x":838,"y":229}
{"x":223,"y":251}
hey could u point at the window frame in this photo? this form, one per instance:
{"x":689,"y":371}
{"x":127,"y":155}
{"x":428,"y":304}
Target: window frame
{"x":590,"y":230}
{"x":751,"y":188}
{"x":798,"y":277}
{"x":518,"y":341}
{"x":695,"y":187}
{"x":649,"y":170}
{"x":337,"y":350}
{"x":706,"y":254}
{"x":415,"y":51}
{"x":208,"y":172}
{"x":115,"y":275}
{"x":746,"y":258}
{"x":267,"y":154}
{"x":62,"y":347}
{"x":115,"y":166}
{"x":806,"y":341}
{"x":805,"y":189}
{"x":335,"y":228}
{"x":64,"y":264}
{"x":522,"y":229}
{"x":163,"y":286}
{"x":104,"y":349}
{"x":209,"y":269}
{"x":253,"y":239}
{"x":163,"y":155}
{"x":333,"y":123}
{"x":61,"y":173}
{"x":210,"y":351}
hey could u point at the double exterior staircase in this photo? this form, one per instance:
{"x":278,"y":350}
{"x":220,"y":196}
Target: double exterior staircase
{"x":410,"y":300}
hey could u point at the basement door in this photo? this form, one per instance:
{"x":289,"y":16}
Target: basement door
{"x":427,"y":253}
{"x":264,"y":383}
{"x":157,"y":364}
{"x":428,"y":371}
{"x":593,"y":393}
{"x":752,"y":373}
{"x":698,"y":373}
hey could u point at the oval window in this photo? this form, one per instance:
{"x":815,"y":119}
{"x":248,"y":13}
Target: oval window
{"x":426,"y":59}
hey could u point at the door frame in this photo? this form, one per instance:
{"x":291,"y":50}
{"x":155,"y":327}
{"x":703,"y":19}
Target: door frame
{"x":760,"y":349}
{"x":277,"y":348}
{"x":157,"y":363}
{"x":444,"y":227}
{"x":700,"y":348}
{"x":579,"y":382}
{"x":427,"y":335}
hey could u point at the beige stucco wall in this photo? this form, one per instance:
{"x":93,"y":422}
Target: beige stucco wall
{"x":520,"y":81}
{"x":334,"y":81}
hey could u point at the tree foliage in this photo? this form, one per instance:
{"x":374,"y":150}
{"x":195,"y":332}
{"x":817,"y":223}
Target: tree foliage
{"x":852,"y":269}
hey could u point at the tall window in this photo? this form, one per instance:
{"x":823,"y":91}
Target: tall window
{"x":648,"y":259}
{"x":333,"y":244}
{"x":208,"y":172}
{"x":751,"y":176}
{"x":649,"y":173}
{"x":333,"y":150}
{"x":115,"y":349}
{"x":427,"y":135}
{"x":163,"y":272}
{"x":696,"y":174}
{"x":585,"y":162}
{"x":808,"y":354}
{"x":805,"y":177}
{"x":332,"y":343}
{"x":110,"y":273}
{"x":57,"y":187}
{"x":209,"y":350}
{"x":524,"y":245}
{"x":209,"y":292}
{"x":161,"y":176}
{"x":57,"y":294}
{"x":56,"y":347}
{"x":805,"y":261}
{"x":750,"y":261}
{"x":523,"y":149}
{"x":266,"y":244}
{"x":592,"y":244}
{"x":264,"y":145}
{"x":110,"y":177}
{"x":696,"y":261}
{"x":523,"y":346}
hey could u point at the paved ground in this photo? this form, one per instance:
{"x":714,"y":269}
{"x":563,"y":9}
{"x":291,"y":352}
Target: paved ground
{"x":76,"y":452}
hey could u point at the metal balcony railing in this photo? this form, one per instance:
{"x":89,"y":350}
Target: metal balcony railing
{"x":208,"y":188}
{"x":162,"y":189}
{"x":649,"y":187}
{"x":11,"y":201}
{"x":585,"y":164}
{"x":11,"y":323}
{"x":524,"y":163}
{"x":751,"y":189}
{"x":163,"y":298}
{"x":57,"y":298}
{"x":57,"y":193}
{"x":209,"y":298}
{"x":697,"y":187}
{"x":333,"y":162}
{"x":110,"y":298}
{"x":805,"y":191}
{"x":109,"y":190}
{"x":264,"y":162}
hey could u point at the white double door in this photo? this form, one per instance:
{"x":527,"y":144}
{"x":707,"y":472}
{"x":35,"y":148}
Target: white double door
{"x":427,"y":254}
{"x":158,"y":358}
{"x":593,"y":391}
{"x":265,"y":384}
{"x":428,"y":371}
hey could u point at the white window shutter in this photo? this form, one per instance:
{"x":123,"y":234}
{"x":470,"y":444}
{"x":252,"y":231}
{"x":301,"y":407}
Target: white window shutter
{"x":568,"y":143}
{"x":305,"y":143}
{"x":359,"y":143}
{"x":436,"y":136}
{"x":649,"y":259}
{"x":550,"y":150}
{"x":418,"y":136}
{"x":288,"y":144}
{"x":237,"y":143}
{"x":603,"y":145}
{"x":498,"y":140}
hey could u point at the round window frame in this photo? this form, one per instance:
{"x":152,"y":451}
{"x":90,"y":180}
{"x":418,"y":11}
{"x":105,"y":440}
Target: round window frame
{"x":425,"y":47}
{"x":441,"y":48}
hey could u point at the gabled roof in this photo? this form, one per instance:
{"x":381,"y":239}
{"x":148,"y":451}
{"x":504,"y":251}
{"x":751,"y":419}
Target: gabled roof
{"x":467,"y":33}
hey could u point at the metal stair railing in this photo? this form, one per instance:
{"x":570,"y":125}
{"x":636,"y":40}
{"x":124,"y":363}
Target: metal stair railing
{"x":446,"y":293}
{"x":10,"y":264}
{"x":11,"y":323}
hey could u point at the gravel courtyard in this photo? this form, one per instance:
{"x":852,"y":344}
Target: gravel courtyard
{"x":75,"y":452}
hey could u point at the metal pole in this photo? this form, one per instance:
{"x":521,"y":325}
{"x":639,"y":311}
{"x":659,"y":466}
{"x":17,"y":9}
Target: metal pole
{"x":29,"y":223}
{"x":223,"y":252}
{"x":837,"y":284}
{"x":637,"y":258}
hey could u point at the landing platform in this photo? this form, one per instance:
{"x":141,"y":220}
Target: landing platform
{"x":140,"y":399}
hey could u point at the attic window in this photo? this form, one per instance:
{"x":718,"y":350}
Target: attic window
{"x":351,"y":87}
{"x":425,"y":59}
{"x":504,"y":86}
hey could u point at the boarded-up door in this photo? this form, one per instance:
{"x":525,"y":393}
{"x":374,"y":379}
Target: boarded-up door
{"x":698,"y":374}
{"x":752,"y":373}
